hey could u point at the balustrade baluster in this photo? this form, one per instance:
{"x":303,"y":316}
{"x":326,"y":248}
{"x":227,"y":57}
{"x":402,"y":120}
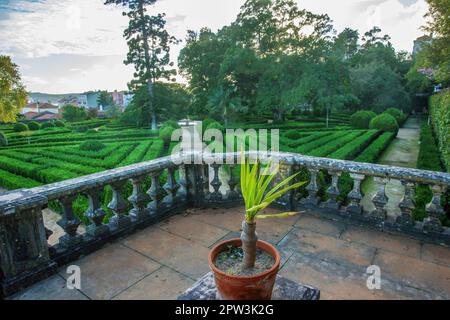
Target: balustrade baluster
{"x":69,"y":223}
{"x":312,"y":188}
{"x":333,"y":191}
{"x":156,"y":193}
{"x":171,"y":187}
{"x":95,"y":214}
{"x":379,"y":200}
{"x":215,"y":183}
{"x":232,"y":194}
{"x":139,"y":200}
{"x":119,"y":206}
{"x":434,"y":210}
{"x":355,"y":196}
{"x":407,"y":205}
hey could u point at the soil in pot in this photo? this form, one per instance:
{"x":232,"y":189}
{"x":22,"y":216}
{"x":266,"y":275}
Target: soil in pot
{"x":230,"y":262}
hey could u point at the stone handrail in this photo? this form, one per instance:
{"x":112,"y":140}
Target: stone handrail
{"x":26,"y":256}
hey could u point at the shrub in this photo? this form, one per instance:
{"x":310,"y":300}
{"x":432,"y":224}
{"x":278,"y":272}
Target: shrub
{"x":398,"y":114}
{"x":33,"y":125}
{"x":82,"y":129}
{"x":215,"y":125}
{"x":293,"y":134}
{"x":373,"y":152}
{"x":165,"y":134}
{"x":206,"y":122}
{"x":92,"y":146}
{"x":361,"y":119}
{"x":384,"y":122}
{"x":48,"y":124}
{"x":440,"y":117}
{"x":3,"y":139}
{"x":20,"y":127}
{"x":170,"y":123}
{"x":59,"y":123}
{"x":91,"y":131}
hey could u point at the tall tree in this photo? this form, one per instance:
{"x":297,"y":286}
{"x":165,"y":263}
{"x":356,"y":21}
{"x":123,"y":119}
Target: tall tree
{"x":149,"y":46}
{"x":105,"y":99}
{"x":438,"y":52}
{"x":13,"y":96}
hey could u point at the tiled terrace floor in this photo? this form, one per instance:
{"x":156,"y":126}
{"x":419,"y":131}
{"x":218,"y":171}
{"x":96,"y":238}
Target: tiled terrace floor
{"x":162,"y":261}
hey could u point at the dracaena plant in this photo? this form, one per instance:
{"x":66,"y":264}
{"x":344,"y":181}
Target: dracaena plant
{"x":254,"y":188}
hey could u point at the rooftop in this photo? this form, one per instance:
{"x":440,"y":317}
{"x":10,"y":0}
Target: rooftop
{"x":327,"y":252}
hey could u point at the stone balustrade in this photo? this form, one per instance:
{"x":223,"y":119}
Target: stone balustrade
{"x":145,"y":193}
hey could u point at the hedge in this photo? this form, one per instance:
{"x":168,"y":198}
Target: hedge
{"x":376,"y":148}
{"x":33,"y":126}
{"x":3,"y":139}
{"x":384,"y":122}
{"x":20,"y":127}
{"x":440,"y":117}
{"x":47,"y":125}
{"x":361,"y":119}
{"x":398,"y":114}
{"x":356,"y":146}
{"x":330,"y":147}
{"x":11,"y":181}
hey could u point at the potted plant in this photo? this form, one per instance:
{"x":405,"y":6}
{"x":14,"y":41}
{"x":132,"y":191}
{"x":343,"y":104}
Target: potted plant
{"x":246,"y":268}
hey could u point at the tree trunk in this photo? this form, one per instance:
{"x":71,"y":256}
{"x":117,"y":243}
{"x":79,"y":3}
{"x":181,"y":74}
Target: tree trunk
{"x":249,"y":239}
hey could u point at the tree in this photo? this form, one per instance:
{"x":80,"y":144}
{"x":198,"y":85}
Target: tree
{"x":113,"y":111}
{"x":92,"y":113}
{"x":149,"y":46}
{"x":105,"y":99}
{"x":73,"y":113}
{"x":438,"y":51}
{"x":13,"y":96}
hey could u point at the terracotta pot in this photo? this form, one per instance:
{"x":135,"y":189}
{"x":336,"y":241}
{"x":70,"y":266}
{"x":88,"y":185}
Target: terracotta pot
{"x":257,"y":287}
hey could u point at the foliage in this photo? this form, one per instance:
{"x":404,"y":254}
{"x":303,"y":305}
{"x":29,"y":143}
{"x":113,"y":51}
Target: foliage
{"x":3,"y":139}
{"x":440,"y":117}
{"x":384,"y":122}
{"x":399,"y":116}
{"x":48,"y":124}
{"x":361,"y":119}
{"x":92,"y":113}
{"x":375,"y":149}
{"x":215,"y":125}
{"x":293,"y":134}
{"x":165,"y":134}
{"x":20,"y":127}
{"x":92,"y":146}
{"x":33,"y":126}
{"x":171,"y":123}
{"x":73,"y":113}
{"x":13,"y":96}
{"x":59,"y":123}
{"x":437,"y":53}
{"x":149,"y":46}
{"x":104,"y":99}
{"x":254,"y":187}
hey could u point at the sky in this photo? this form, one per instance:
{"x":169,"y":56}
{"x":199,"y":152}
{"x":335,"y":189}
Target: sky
{"x":68,"y":46}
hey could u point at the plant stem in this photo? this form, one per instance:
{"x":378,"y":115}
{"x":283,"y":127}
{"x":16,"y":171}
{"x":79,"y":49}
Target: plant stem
{"x":249,"y":239}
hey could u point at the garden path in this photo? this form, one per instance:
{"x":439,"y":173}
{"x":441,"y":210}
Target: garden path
{"x":402,"y":152}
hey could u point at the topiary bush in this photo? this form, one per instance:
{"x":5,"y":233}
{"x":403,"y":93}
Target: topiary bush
{"x":206,"y":122}
{"x":398,"y":114}
{"x":165,"y":134}
{"x":59,"y":123}
{"x":20,"y":127}
{"x":92,"y":146}
{"x":215,"y":125}
{"x":361,"y":119}
{"x":3,"y":139}
{"x":33,"y":126}
{"x":170,"y":123}
{"x":384,"y":122}
{"x":293,"y":134}
{"x":47,"y":125}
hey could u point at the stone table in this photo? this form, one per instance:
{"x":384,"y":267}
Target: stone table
{"x":284,"y":289}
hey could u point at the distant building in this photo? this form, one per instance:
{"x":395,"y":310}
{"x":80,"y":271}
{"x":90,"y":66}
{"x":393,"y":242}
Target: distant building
{"x":79,"y":100}
{"x":92,"y":98}
{"x":45,"y":116}
{"x":420,"y":42}
{"x":122,"y":99}
{"x":38,"y":107}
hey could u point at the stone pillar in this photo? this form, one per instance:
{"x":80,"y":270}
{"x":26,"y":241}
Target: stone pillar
{"x":171,"y":187}
{"x":232,"y":194}
{"x":379,"y":200}
{"x":24,"y":252}
{"x":355,"y":196}
{"x":333,"y":191}
{"x":407,"y":205}
{"x":69,"y":223}
{"x":119,"y":206}
{"x":432,"y":223}
{"x":95,"y":214}
{"x":139,"y":200}
{"x":156,"y":193}
{"x":215,"y":183}
{"x":313,"y":188}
